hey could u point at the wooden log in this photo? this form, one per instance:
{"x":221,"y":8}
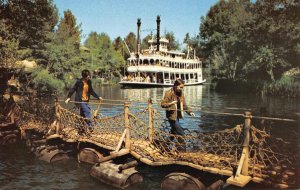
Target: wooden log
{"x":115,"y":155}
{"x":217,"y":185}
{"x":4,"y":125}
{"x":9,"y":125}
{"x":108,"y":173}
{"x":9,"y":139}
{"x":37,"y":150}
{"x":127,"y":165}
{"x":121,"y":141}
{"x":181,"y":181}
{"x":9,"y":132}
{"x":53,"y":156}
{"x":39,"y":142}
{"x":50,"y":148}
{"x":89,"y":155}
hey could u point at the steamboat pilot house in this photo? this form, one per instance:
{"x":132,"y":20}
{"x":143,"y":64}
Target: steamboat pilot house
{"x":158,"y":66}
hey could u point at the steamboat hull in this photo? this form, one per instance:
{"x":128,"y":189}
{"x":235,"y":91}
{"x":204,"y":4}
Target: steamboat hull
{"x":147,"y":84}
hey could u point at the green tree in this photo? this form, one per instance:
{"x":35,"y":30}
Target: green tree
{"x":223,"y":38}
{"x":187,"y":39}
{"x":275,"y":37}
{"x":173,"y":43}
{"x":8,"y":45}
{"x":64,"y":58}
{"x":69,"y":30}
{"x":118,"y":44}
{"x":248,"y":40}
{"x":32,"y":21}
{"x":104,"y":57}
{"x":194,"y":44}
{"x":131,"y":42}
{"x":145,"y":40}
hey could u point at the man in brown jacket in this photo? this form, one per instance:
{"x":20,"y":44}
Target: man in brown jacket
{"x":175,"y":105}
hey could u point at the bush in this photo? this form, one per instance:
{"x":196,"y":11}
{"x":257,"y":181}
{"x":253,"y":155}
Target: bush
{"x":45,"y":82}
{"x":287,"y":86}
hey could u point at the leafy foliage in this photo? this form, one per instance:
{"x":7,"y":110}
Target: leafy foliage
{"x":131,"y":42}
{"x":145,"y":40}
{"x":246,"y":40}
{"x":104,"y":57}
{"x":8,"y":45}
{"x":63,"y":52}
{"x":118,"y":44}
{"x":31,"y":22}
{"x":286,"y":86}
{"x":45,"y":81}
{"x":173,"y":43}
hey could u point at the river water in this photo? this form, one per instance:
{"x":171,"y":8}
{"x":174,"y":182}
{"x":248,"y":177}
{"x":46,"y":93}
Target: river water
{"x":20,"y":169}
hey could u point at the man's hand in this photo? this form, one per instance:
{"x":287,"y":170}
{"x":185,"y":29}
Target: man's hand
{"x":100,"y":98}
{"x":172,"y":103}
{"x":192,"y":114}
{"x":67,"y":100}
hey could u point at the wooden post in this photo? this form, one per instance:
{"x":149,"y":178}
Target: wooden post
{"x":12,"y":115}
{"x":57,"y":116}
{"x":247,"y":125}
{"x":126,"y":123}
{"x":241,"y":177}
{"x":150,"y":121}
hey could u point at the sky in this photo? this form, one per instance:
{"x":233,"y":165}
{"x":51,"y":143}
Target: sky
{"x":119,"y":17}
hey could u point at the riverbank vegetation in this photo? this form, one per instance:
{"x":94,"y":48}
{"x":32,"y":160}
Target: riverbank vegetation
{"x":253,"y":43}
{"x":242,"y":43}
{"x":31,"y":30}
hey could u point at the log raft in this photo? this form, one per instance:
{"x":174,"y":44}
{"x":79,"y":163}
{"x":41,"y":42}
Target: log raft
{"x":229,"y":153}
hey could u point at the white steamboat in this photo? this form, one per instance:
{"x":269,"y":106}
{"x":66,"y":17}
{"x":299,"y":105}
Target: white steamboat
{"x":158,"y":66}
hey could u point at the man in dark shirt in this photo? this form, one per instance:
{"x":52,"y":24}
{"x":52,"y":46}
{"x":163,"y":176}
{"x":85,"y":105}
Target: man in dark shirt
{"x":83,"y":88}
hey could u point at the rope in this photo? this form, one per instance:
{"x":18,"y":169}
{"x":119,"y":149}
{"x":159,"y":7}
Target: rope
{"x":96,"y":111}
{"x":233,"y":114}
{"x":93,"y":103}
{"x":275,"y":119}
{"x":194,"y":110}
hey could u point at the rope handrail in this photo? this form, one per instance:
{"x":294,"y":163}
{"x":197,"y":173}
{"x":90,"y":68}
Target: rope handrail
{"x":274,"y":118}
{"x":195,"y":110}
{"x":233,"y":114}
{"x":96,"y":103}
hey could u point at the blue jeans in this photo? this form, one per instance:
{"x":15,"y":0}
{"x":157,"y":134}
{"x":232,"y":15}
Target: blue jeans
{"x":176,"y":129}
{"x":85,"y":111}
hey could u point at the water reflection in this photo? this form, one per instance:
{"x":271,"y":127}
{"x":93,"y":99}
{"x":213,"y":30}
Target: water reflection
{"x":193,"y":94}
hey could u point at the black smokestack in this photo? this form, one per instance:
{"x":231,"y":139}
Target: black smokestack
{"x":138,"y":35}
{"x":158,"y":32}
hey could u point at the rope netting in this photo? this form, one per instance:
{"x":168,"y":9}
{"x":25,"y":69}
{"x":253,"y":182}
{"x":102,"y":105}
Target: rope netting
{"x":33,"y":113}
{"x":151,"y":138}
{"x":269,"y":158}
{"x":214,"y":149}
{"x":272,"y":158}
{"x":106,"y":130}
